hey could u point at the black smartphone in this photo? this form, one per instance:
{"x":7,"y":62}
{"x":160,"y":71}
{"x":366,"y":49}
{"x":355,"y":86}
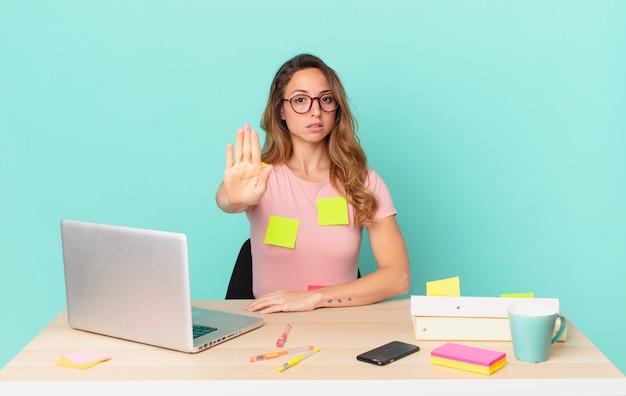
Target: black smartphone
{"x":388,"y":353}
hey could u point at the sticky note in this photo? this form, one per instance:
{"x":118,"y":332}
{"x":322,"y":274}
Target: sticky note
{"x":469,"y":358}
{"x":519,"y":295}
{"x":468,"y":354}
{"x":476,"y":368}
{"x":68,"y":363}
{"x":83,"y":359}
{"x":332,"y":211}
{"x":86,"y":355}
{"x":282,"y":231}
{"x":444,"y":287}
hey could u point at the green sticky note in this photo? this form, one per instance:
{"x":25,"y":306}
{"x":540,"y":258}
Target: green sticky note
{"x":519,"y":295}
{"x":332,"y":211}
{"x":282,"y":231}
{"x":444,"y":287}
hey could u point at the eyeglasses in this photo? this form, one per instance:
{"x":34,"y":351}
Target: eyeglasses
{"x":303,"y":103}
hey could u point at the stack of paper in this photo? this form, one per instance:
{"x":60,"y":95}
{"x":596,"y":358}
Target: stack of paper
{"x":468,"y":358}
{"x":453,"y":318}
{"x":83,"y":359}
{"x":443,"y":314}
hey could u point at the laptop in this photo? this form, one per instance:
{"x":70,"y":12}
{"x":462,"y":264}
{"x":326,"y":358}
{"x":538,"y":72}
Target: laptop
{"x":133,"y":284}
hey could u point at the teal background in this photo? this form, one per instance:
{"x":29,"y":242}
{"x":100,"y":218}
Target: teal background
{"x":499,"y":126}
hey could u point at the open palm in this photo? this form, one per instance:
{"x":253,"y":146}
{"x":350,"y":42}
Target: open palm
{"x":245,"y":177}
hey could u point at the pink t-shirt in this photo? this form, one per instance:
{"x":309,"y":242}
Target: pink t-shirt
{"x":323,"y":255}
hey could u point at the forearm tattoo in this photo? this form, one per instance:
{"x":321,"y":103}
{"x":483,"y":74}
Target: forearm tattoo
{"x":339,"y":300}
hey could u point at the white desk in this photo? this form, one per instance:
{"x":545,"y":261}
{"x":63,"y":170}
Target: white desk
{"x":575,"y":367}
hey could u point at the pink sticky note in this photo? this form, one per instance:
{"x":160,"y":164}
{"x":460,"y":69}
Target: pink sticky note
{"x":86,"y":356}
{"x":468,"y":354}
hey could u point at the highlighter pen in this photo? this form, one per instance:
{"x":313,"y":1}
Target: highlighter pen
{"x":283,"y":337}
{"x":296,"y":360}
{"x":271,"y":355}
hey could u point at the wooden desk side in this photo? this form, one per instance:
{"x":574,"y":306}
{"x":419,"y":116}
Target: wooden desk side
{"x":341,"y":333}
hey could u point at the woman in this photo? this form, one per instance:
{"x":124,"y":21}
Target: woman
{"x":308,"y":195}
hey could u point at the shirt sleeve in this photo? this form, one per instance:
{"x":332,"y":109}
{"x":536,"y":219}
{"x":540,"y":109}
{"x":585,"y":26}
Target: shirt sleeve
{"x":377,"y":185}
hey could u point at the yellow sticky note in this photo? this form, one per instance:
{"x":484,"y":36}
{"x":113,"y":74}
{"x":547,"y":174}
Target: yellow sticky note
{"x":519,"y":295}
{"x":444,"y":287}
{"x":332,"y":211}
{"x":282,"y":231}
{"x":68,"y":363}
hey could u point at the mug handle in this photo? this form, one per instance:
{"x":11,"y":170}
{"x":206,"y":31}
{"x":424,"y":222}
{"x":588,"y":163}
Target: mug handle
{"x":562,"y":328}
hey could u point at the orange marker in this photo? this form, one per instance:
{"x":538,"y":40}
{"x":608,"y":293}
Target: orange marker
{"x":271,"y":355}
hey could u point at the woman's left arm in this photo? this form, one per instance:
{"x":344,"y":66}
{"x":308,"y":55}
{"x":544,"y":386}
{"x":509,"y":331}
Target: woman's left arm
{"x":390,"y":253}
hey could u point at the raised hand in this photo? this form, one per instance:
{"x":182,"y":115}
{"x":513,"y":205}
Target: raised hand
{"x":245,"y":177}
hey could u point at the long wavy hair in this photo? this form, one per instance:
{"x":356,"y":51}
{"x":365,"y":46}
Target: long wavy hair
{"x":348,"y":163}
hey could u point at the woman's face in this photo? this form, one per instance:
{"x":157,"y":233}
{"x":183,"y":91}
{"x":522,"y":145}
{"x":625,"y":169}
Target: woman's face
{"x":314,"y":124}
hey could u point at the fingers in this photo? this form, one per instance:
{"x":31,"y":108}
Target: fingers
{"x":260,"y":303}
{"x":280,"y":301}
{"x":229,"y":156}
{"x":272,"y":309}
{"x":246,"y":143}
{"x":239,"y":145}
{"x":247,"y":146}
{"x":255,"y":147}
{"x":265,"y":308}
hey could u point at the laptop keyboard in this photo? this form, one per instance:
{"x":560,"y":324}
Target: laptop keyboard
{"x":199,"y":330}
